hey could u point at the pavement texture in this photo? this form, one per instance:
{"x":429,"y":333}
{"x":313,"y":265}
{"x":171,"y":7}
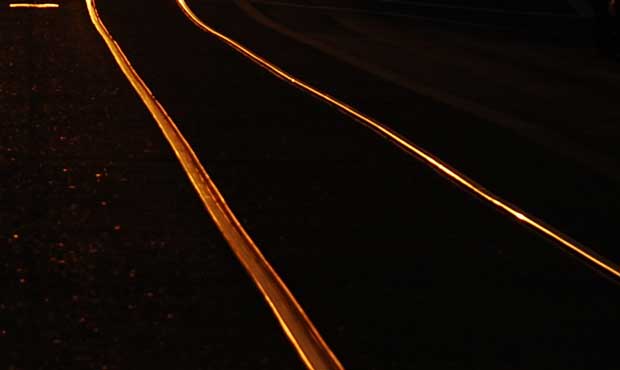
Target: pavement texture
{"x":397,"y":267}
{"x":108,"y":261}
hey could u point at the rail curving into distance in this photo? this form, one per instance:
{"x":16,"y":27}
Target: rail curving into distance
{"x":586,"y":254}
{"x":306,"y":339}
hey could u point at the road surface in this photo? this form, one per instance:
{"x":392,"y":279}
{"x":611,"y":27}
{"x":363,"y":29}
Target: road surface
{"x":399,"y":268}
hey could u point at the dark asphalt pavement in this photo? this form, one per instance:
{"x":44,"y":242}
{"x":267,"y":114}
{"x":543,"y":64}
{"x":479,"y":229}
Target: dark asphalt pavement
{"x":107,"y":259}
{"x":555,"y":20}
{"x":560,"y":190}
{"x":397,"y":267}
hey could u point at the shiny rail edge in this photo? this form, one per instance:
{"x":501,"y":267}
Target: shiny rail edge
{"x":306,"y":339}
{"x":34,"y":6}
{"x":586,"y":254}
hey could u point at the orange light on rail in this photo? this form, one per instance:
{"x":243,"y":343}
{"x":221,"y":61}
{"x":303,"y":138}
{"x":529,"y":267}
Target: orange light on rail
{"x":400,"y":141}
{"x":35,"y":6}
{"x":306,"y":339}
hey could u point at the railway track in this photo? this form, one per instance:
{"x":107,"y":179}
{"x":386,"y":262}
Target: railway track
{"x":312,"y":349}
{"x":406,"y":145}
{"x":301,"y":332}
{"x":410,"y":273}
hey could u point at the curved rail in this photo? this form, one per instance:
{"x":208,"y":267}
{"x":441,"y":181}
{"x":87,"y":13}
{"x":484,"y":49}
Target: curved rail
{"x":438,"y":165}
{"x":301,"y":332}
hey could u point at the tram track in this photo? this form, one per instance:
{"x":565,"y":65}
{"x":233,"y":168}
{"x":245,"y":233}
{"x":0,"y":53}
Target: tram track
{"x":305,"y":338}
{"x":295,"y":323}
{"x":586,"y":254}
{"x":393,"y":278}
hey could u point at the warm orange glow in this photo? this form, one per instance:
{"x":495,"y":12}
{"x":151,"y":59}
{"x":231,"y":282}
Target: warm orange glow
{"x":36,"y":6}
{"x":420,"y":153}
{"x":299,"y":329}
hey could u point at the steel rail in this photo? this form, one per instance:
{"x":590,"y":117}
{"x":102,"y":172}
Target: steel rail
{"x":306,"y":339}
{"x":35,"y":6}
{"x":607,"y":267}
